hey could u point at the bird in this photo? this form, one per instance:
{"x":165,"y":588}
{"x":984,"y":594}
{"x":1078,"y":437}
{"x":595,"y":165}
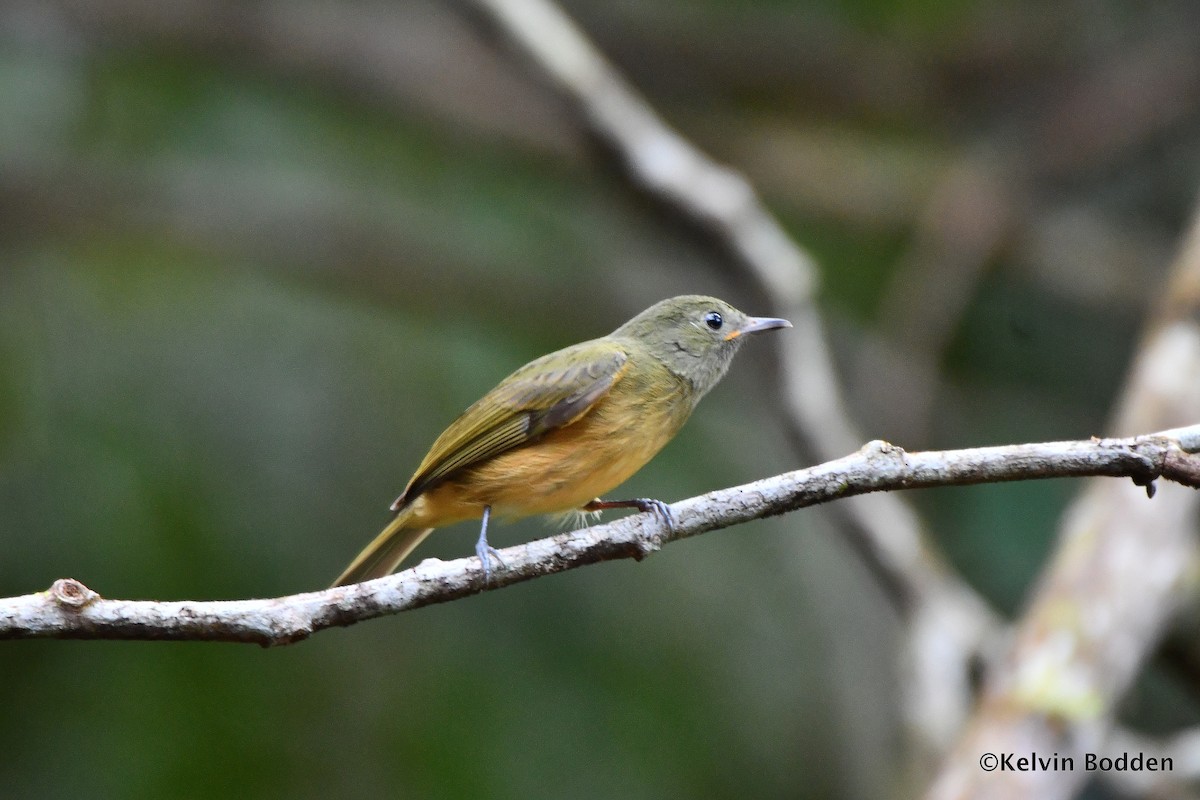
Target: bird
{"x":566,"y":428}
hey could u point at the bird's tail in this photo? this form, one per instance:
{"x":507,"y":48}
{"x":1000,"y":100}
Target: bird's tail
{"x":384,"y":554}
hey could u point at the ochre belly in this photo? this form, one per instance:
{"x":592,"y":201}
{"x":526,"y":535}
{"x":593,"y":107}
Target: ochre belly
{"x":561,"y":471}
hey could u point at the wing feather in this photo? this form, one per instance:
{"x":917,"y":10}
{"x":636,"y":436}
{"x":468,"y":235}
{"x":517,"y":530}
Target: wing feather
{"x":548,"y":393}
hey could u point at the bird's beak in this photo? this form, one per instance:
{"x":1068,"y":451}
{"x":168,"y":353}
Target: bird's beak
{"x":758,"y":325}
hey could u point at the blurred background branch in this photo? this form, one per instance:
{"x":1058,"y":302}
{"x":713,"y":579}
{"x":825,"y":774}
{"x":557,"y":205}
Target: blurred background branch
{"x":1122,"y":570}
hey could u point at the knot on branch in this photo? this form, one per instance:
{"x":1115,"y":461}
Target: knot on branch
{"x":71,"y":594}
{"x":1145,"y":474}
{"x":884,"y":457}
{"x":1169,"y":460}
{"x":879,"y":447}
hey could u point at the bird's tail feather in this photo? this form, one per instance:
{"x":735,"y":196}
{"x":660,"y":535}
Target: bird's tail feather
{"x":384,"y":554}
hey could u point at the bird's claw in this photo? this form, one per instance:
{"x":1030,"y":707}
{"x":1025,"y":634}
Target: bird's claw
{"x":485,"y":552}
{"x":658,"y":508}
{"x":646,"y":505}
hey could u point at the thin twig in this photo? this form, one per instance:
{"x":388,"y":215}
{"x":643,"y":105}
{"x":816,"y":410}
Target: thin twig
{"x":70,"y":610}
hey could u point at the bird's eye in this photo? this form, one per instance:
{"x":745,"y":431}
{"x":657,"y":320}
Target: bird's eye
{"x":713,"y":320}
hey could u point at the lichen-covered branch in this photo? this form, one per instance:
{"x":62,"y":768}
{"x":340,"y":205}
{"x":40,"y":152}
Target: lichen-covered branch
{"x":70,"y":610}
{"x":1120,"y":572}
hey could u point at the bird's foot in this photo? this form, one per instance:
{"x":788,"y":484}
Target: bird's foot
{"x":486,"y":553}
{"x":642,"y":504}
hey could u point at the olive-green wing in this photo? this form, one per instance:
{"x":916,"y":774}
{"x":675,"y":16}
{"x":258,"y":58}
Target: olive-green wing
{"x":545,"y":394}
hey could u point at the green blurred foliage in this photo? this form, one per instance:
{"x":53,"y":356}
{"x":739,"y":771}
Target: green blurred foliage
{"x":239,"y":299}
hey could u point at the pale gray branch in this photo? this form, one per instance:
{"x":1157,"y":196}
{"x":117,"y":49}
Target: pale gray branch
{"x":70,"y":610}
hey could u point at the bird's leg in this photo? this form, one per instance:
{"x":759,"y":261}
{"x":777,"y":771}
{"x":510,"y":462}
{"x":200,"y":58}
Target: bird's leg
{"x":484,"y":550}
{"x":643,"y":504}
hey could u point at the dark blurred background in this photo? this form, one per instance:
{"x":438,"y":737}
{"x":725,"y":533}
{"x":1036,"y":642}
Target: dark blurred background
{"x":255,"y":255}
